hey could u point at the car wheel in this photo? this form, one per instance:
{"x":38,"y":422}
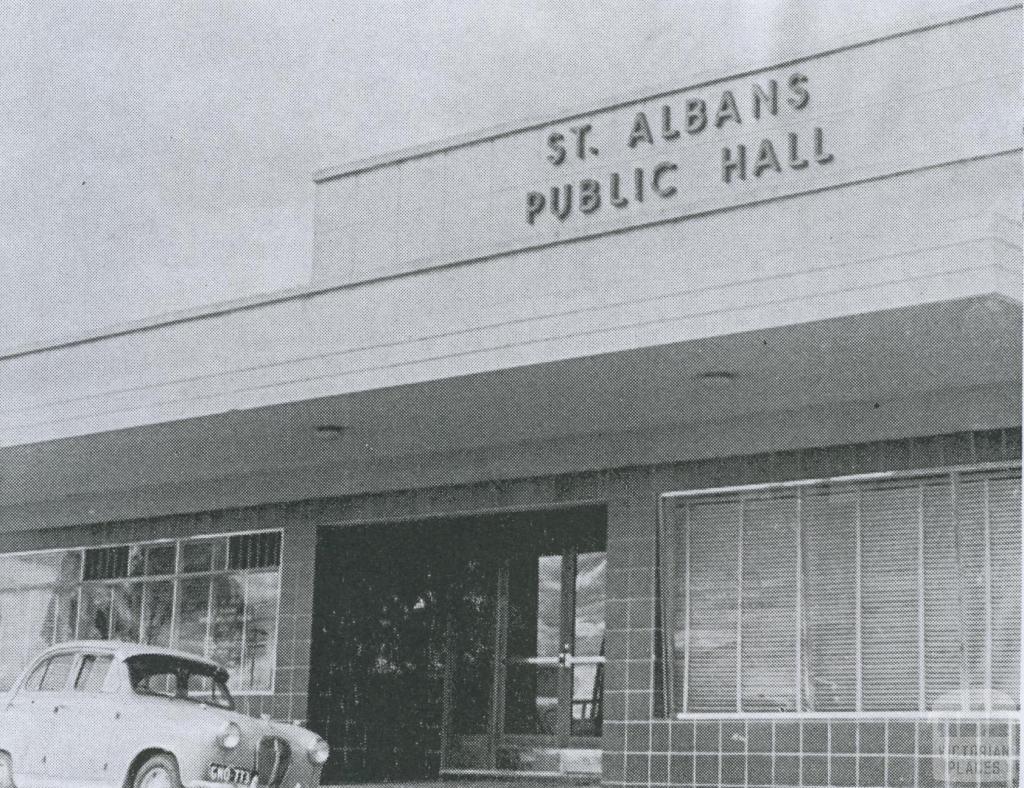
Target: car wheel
{"x":160,"y":771}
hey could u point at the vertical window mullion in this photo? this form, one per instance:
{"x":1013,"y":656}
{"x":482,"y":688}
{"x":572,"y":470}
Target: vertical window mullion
{"x":56,"y":621}
{"x":986,"y":503}
{"x":921,"y":672}
{"x":958,"y":560}
{"x":143,"y":609}
{"x":209,"y":617}
{"x":112,"y":617}
{"x":245,"y":617}
{"x":858,"y":639}
{"x":799,"y":600}
{"x":172,"y":634}
{"x":686,"y":614}
{"x":739,"y":612}
{"x":78,"y":612}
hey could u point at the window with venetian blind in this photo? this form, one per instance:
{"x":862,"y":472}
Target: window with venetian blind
{"x":876,"y":594}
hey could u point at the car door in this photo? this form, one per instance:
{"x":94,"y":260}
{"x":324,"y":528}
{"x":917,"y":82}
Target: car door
{"x":79,"y":753}
{"x":52,"y":700}
{"x":38,"y":704}
{"x":22,"y":727}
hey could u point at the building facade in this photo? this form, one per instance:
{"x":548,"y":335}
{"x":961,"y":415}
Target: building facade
{"x":674,"y":442}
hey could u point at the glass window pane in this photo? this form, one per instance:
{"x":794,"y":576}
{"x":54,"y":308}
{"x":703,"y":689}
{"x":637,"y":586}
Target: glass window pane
{"x":534,"y":630}
{"x":111,"y":612}
{"x":136,"y":562}
{"x":126,"y":601}
{"x":829,"y":605}
{"x":713,"y":526}
{"x":36,"y":677}
{"x":254,"y":551}
{"x":971,"y":515}
{"x":957,"y":591}
{"x":94,"y":618}
{"x":157,"y":603}
{"x":549,"y":605}
{"x":588,"y":641}
{"x":591,"y":569}
{"x":1005,"y":530}
{"x":531,"y":698}
{"x":108,"y":563}
{"x":193,"y":614}
{"x":257,"y":670}
{"x":36,"y":606}
{"x":57,"y":671}
{"x":941,"y":603}
{"x":587,"y":696}
{"x":889,"y":596}
{"x":203,"y":555}
{"x":227,"y":615}
{"x":768,"y":604}
{"x":66,"y":607}
{"x":160,"y":559}
{"x":92,"y":672}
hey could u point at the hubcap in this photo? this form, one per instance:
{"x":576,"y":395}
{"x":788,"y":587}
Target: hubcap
{"x":157,"y":777}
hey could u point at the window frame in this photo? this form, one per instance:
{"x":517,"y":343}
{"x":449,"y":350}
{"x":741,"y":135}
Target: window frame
{"x":46,"y":663}
{"x":95,"y":656}
{"x":668,"y":600}
{"x":176,"y":578}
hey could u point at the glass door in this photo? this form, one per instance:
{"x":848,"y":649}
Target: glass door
{"x":536,"y":648}
{"x":536,"y":642}
{"x":586,"y":659}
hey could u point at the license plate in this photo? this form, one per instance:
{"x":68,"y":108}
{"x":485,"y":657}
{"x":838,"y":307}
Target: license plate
{"x":219,"y":773}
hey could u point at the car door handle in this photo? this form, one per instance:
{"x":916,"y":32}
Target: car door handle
{"x":59,"y":707}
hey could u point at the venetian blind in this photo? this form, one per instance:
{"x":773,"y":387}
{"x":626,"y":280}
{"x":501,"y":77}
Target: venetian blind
{"x":829,"y":531}
{"x":1003,"y":494}
{"x":713,"y":528}
{"x":877,"y":595}
{"x":889,"y":596}
{"x":767,"y":613}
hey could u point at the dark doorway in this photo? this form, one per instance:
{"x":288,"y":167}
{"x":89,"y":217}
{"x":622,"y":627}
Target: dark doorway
{"x":408,"y":619}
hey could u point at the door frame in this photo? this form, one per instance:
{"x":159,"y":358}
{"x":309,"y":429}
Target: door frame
{"x":496,"y":736}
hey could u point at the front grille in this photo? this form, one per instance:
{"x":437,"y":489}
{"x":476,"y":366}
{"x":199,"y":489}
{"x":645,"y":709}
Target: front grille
{"x":272,"y":761}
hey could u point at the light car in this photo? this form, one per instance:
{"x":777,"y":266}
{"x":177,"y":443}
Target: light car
{"x":100,"y":713}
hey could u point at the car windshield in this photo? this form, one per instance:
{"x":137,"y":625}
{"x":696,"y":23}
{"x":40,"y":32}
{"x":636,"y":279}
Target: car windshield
{"x":179,"y":678}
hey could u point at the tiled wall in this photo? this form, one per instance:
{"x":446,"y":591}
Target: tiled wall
{"x":639,"y":747}
{"x":819,"y":752}
{"x":642,"y":749}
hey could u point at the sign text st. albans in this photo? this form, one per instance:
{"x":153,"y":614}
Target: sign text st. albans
{"x":672,"y":124}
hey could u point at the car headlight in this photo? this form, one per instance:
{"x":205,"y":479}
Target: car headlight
{"x":230,"y":736}
{"x":319,"y":752}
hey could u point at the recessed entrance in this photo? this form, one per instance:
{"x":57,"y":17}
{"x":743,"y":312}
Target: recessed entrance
{"x":449,"y":646}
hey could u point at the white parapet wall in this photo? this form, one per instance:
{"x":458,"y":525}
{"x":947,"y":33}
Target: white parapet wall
{"x":454,"y":261}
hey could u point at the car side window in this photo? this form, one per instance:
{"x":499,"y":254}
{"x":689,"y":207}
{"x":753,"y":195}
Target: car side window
{"x":36,"y":677}
{"x":57,"y":671}
{"x":92,"y":672}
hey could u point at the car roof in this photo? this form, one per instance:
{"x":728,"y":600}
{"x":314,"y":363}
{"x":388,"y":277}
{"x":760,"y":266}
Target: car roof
{"x":125,"y":651}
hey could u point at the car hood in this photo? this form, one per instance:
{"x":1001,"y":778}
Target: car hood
{"x":192,"y":714}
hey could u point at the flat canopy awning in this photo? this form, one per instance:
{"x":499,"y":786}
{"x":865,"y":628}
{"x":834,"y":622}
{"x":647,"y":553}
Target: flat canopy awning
{"x":925,"y":370}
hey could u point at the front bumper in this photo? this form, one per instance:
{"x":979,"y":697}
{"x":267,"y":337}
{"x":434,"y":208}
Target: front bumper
{"x":289,"y":783}
{"x":297,"y":776}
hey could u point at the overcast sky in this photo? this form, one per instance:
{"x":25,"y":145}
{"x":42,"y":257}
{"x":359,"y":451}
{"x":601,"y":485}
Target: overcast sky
{"x":157,"y":155}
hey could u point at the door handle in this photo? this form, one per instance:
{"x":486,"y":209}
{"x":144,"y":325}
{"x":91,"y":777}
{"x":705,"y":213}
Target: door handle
{"x":571,"y":660}
{"x":59,"y":707}
{"x":541,"y":660}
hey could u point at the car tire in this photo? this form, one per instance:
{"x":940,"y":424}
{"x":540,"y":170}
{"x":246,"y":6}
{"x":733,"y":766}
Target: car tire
{"x":160,"y":771}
